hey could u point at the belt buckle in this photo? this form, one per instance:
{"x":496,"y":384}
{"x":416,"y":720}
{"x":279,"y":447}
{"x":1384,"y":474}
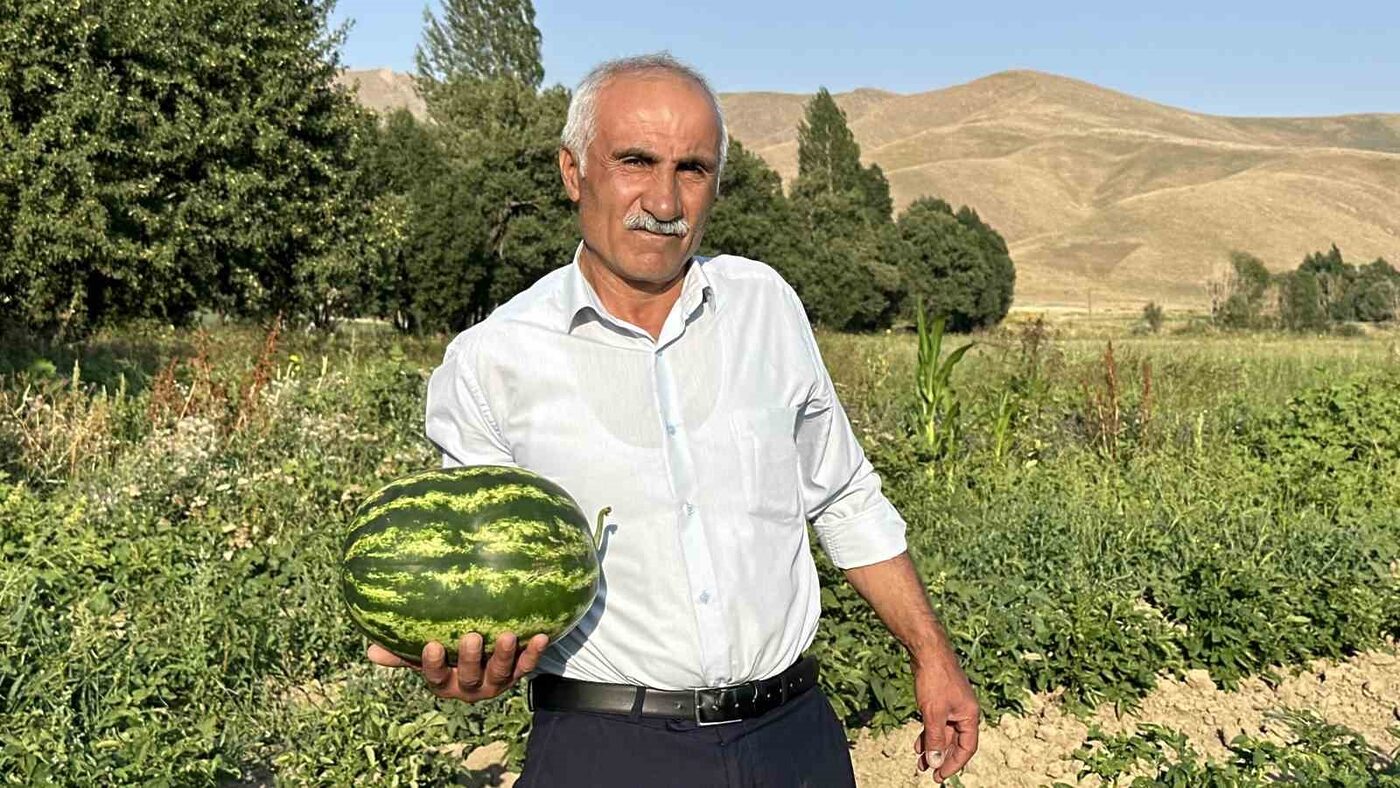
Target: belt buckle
{"x":701,"y":723}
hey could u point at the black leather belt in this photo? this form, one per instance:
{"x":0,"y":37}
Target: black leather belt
{"x":709,"y":706}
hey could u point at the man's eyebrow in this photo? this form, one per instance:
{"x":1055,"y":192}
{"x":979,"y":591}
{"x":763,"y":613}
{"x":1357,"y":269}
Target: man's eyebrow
{"x":636,"y":153}
{"x":697,"y":160}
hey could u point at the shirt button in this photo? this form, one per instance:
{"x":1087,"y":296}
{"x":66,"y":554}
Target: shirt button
{"x":704,"y":597}
{"x":689,"y":507}
{"x":670,"y":429}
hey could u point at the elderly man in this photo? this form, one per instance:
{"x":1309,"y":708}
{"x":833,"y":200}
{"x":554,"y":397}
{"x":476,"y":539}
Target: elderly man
{"x":688,"y":395}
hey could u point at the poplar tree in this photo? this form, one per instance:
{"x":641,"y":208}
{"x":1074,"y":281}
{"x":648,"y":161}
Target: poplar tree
{"x":482,"y":39}
{"x":843,"y":265}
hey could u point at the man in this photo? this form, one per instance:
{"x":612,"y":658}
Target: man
{"x":688,"y":395}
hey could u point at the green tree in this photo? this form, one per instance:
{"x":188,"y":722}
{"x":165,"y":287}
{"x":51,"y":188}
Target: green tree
{"x":752,"y":217}
{"x":482,"y":39}
{"x":956,"y":264}
{"x":828,"y":160}
{"x":166,"y":155}
{"x":1153,"y":316}
{"x":1374,"y":293}
{"x":1302,"y":304}
{"x":1237,"y":301}
{"x":844,"y":244}
{"x":484,"y":212}
{"x":1334,"y":277}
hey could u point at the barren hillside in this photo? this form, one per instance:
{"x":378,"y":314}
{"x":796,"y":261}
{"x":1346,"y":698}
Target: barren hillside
{"x":1107,"y":196}
{"x":1101,"y":195}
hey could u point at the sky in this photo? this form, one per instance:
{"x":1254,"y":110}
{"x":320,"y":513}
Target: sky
{"x":1225,"y":57}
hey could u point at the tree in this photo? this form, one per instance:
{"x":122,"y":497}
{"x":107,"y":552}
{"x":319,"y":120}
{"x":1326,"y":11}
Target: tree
{"x":1153,"y":316}
{"x":481,"y":39}
{"x":828,"y":160}
{"x":955,"y":264}
{"x":1374,"y":293}
{"x":752,"y":217}
{"x":844,"y":244}
{"x":1237,"y":298}
{"x":161,"y":156}
{"x":484,"y":214}
{"x":1302,"y":305}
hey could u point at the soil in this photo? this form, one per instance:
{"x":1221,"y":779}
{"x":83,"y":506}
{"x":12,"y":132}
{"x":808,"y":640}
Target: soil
{"x":1362,"y":693}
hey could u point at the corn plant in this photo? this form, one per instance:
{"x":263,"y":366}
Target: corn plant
{"x":938,"y":406}
{"x":1002,"y":420}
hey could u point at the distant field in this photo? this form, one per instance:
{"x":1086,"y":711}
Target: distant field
{"x":172,"y":505}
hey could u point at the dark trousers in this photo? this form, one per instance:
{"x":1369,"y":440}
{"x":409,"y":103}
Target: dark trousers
{"x":800,"y":743}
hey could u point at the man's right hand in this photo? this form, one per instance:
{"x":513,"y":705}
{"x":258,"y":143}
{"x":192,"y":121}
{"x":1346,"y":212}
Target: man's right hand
{"x":475,"y":677}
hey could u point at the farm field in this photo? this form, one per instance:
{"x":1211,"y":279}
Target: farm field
{"x":1097,"y":527}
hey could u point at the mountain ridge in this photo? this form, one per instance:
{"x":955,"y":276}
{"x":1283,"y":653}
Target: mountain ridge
{"x":1105,"y":197}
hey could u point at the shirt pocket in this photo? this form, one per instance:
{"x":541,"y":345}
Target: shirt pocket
{"x":768,"y":462}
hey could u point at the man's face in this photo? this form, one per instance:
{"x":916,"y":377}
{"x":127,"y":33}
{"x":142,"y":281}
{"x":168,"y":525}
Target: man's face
{"x":655,"y":151}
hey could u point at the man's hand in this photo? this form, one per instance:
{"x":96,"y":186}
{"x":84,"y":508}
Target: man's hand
{"x":949,"y":709}
{"x":945,"y":699}
{"x":475,"y":676}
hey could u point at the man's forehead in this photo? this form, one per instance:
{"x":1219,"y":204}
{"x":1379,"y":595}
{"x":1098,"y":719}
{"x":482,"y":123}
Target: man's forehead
{"x":635,"y":108}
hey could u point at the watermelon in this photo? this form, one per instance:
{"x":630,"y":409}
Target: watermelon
{"x":483,"y":548}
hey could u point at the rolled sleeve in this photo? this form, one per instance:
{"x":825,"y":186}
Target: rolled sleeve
{"x":855,"y":523}
{"x":457,"y":419}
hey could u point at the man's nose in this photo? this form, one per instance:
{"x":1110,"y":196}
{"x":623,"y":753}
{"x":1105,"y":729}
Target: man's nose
{"x":663,"y":197}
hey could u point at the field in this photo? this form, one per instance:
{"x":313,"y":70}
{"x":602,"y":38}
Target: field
{"x":1096,"y":520}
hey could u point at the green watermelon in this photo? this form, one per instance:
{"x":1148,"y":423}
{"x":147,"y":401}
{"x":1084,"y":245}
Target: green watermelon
{"x":483,"y":548}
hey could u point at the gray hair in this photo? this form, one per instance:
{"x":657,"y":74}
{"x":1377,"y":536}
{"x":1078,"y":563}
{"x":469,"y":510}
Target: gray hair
{"x":582,"y":123}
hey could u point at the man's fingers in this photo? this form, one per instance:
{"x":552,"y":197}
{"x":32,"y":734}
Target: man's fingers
{"x":469,"y":662}
{"x":386,"y":658}
{"x":934,"y":742}
{"x":963,"y":736}
{"x":530,"y":657}
{"x":436,"y":671}
{"x":500,"y":669}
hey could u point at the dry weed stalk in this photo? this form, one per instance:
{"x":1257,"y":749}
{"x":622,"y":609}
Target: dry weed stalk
{"x":1106,"y":423}
{"x":259,"y":377}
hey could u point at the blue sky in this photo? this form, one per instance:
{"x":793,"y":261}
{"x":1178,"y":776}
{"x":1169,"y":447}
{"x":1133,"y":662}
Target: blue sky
{"x":1223,"y":57}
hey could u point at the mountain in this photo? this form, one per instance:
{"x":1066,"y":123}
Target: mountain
{"x":1111,"y":199}
{"x":384,"y":90}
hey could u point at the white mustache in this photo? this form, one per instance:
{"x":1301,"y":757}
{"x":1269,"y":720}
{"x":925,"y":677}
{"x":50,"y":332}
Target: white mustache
{"x":645,"y":221}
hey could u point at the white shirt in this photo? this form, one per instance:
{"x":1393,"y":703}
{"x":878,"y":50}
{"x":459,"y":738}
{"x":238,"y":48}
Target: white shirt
{"x":714,"y":445}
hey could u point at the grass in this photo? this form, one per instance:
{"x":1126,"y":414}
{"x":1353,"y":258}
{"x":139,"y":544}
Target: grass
{"x":171,"y":506}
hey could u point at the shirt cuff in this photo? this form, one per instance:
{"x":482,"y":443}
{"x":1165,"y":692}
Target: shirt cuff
{"x":870,"y":537}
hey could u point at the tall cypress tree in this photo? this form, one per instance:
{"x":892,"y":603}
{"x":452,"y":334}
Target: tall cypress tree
{"x":483,"y":39}
{"x":842,"y":212}
{"x":828,"y":158}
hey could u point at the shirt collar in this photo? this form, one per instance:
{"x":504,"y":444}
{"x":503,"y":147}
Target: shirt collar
{"x":579,"y":295}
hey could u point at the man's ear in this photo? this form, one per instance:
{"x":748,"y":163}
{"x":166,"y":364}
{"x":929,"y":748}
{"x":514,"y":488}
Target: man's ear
{"x":568,"y":169}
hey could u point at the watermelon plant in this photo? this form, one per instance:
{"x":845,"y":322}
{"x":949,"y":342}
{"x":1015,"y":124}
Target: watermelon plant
{"x":483,"y":548}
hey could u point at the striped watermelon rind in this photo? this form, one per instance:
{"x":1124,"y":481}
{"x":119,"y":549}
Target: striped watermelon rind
{"x":484,"y":548}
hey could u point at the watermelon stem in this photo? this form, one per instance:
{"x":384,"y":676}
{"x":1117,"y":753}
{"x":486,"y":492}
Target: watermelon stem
{"x":598,"y":531}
